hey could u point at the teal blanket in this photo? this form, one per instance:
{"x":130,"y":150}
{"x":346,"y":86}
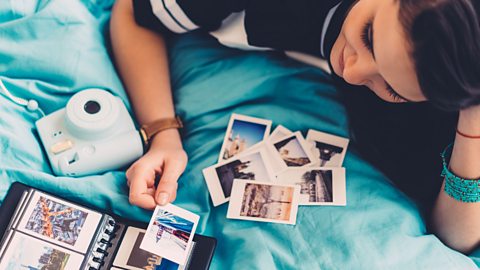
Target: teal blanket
{"x":51,"y":49}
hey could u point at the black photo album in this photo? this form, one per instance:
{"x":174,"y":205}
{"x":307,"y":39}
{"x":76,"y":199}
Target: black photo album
{"x":42,"y":231}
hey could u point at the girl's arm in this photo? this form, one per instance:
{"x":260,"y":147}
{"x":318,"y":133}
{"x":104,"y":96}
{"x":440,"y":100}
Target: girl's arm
{"x":458,"y":223}
{"x":141,"y":59}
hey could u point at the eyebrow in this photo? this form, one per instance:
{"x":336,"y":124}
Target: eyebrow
{"x":389,"y":87}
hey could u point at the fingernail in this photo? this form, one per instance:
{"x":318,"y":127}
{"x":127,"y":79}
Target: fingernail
{"x":162,"y":198}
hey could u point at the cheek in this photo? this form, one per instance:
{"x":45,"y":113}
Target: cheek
{"x":335,"y":53}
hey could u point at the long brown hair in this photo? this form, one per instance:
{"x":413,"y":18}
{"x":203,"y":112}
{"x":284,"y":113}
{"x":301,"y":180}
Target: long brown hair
{"x":445,"y":42}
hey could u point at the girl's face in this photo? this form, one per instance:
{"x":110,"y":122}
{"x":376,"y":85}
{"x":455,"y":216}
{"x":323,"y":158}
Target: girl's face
{"x":372,"y":50}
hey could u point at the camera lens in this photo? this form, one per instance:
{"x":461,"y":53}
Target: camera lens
{"x":92,"y":107}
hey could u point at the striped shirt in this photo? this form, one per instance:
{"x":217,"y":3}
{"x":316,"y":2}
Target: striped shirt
{"x":305,"y":26}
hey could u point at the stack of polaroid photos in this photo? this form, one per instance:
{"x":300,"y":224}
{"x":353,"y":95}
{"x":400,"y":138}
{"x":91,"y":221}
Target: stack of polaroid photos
{"x":266,"y":177}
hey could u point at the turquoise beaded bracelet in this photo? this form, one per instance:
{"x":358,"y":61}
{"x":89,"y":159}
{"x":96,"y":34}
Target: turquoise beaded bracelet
{"x":464,"y":190}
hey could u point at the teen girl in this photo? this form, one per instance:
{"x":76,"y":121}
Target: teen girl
{"x":404,"y":51}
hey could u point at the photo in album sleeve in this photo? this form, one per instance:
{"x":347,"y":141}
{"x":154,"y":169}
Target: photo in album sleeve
{"x":26,"y":252}
{"x":131,"y":257}
{"x":59,"y":222}
{"x":170,"y":233}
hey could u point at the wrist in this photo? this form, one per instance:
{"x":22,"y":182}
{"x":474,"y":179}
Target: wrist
{"x":468,"y":121}
{"x":170,"y":137}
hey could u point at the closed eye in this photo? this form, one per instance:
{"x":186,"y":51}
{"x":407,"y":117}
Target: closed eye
{"x":367,"y":37}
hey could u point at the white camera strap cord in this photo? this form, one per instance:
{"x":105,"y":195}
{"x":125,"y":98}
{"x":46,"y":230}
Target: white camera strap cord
{"x":31,"y":105}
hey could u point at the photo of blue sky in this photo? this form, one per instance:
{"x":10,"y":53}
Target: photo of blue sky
{"x":252,"y":133}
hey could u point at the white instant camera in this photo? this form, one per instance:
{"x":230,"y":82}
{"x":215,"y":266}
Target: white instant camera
{"x":94,"y":133}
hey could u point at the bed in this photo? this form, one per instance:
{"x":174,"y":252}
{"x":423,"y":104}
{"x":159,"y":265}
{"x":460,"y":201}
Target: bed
{"x":52,"y":49}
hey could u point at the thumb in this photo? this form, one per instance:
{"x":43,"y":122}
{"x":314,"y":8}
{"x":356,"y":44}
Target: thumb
{"x":167,"y":187}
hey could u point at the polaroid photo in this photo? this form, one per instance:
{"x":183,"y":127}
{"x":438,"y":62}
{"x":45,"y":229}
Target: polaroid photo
{"x":290,"y":151}
{"x":170,"y":233}
{"x":329,"y":150}
{"x":26,"y":252}
{"x":131,"y":257}
{"x":242,"y":133}
{"x":279,"y":133}
{"x":59,"y":222}
{"x":251,"y":165}
{"x":264,"y":202}
{"x":318,"y":186}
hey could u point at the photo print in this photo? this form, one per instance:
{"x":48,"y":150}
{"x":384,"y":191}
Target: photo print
{"x":279,"y":132}
{"x":170,"y":233}
{"x":329,"y":150}
{"x":263,"y":201}
{"x":251,"y":165}
{"x":39,"y":255}
{"x":318,"y":186}
{"x":242,"y":133}
{"x":59,"y":222}
{"x":290,"y":151}
{"x":131,"y":257}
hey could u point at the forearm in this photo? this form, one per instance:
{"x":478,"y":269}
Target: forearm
{"x":458,"y":223}
{"x":142,"y":62}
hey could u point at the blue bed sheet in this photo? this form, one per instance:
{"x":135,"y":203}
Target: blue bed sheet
{"x":52,"y":49}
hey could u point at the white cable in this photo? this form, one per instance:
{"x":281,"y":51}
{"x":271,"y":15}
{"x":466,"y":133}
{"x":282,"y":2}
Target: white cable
{"x":31,"y":105}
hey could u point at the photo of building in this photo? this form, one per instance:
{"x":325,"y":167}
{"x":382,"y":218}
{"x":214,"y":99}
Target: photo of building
{"x":243,"y":135}
{"x":251,"y":167}
{"x":267,"y":201}
{"x":317,"y":185}
{"x":141,"y":258}
{"x":291,"y":152}
{"x":34,"y":255}
{"x":56,"y":221}
{"x":326,"y":152}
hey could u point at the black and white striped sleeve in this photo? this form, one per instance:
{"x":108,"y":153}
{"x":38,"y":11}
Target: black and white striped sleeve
{"x":181,"y":16}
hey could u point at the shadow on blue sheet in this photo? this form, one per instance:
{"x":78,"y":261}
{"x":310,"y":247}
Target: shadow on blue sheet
{"x":51,"y":49}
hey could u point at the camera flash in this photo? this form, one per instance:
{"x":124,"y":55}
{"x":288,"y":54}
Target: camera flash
{"x":61,"y":147}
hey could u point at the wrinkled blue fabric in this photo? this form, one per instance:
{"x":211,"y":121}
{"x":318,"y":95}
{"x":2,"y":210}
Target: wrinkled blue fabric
{"x":52,"y":49}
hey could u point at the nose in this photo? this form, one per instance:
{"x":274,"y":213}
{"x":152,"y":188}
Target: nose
{"x":360,"y":68}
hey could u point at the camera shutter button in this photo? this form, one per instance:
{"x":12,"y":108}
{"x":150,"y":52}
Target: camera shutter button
{"x":89,"y":150}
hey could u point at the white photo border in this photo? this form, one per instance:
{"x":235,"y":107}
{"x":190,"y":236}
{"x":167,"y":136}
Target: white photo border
{"x":279,"y":132}
{"x":213,"y":182}
{"x":74,"y":261}
{"x":319,"y":136}
{"x":147,"y":244}
{"x":245,"y":118}
{"x":237,"y":199}
{"x":87,"y":232}
{"x":280,"y":164}
{"x":339,"y":189}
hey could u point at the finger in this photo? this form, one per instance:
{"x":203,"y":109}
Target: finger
{"x":138,"y":169}
{"x":141,"y":187}
{"x":167,"y":187}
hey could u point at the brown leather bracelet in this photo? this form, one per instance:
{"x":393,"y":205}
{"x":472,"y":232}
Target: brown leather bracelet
{"x":149,"y":130}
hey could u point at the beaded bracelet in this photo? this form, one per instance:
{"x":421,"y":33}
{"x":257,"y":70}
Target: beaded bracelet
{"x":464,"y":190}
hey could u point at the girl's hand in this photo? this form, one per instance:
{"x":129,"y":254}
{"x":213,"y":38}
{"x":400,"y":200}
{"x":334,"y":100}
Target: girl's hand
{"x":165,"y":158}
